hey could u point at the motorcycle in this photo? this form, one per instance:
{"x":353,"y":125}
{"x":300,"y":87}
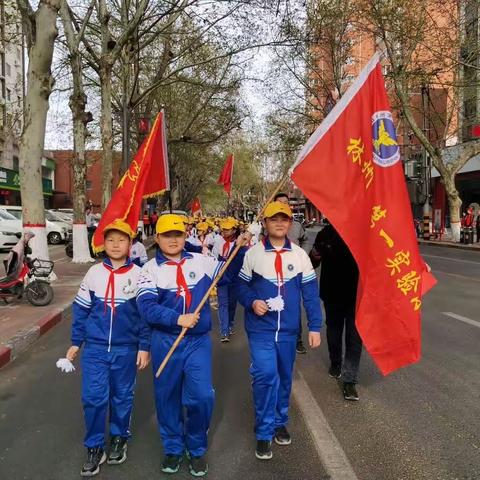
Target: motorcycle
{"x":26,"y":276}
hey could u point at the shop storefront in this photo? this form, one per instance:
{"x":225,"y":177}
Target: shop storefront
{"x":10,"y":188}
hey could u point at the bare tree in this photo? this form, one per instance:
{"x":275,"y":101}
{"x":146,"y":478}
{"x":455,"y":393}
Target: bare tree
{"x":40,"y":32}
{"x":424,"y":42}
{"x":80,"y":118}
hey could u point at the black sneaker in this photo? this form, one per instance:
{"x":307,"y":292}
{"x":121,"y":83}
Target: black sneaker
{"x":198,"y":466}
{"x":171,"y":463}
{"x":335,"y":372}
{"x":300,"y":348}
{"x":118,"y":451}
{"x":350,"y":392}
{"x":95,"y":457}
{"x":282,"y":437}
{"x":264,"y":450}
{"x":224,"y":339}
{"x":232,"y":332}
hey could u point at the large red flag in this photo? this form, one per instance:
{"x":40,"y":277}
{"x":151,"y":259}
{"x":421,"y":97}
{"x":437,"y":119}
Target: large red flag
{"x":226,"y":175}
{"x":147,"y":176}
{"x":350,"y":169}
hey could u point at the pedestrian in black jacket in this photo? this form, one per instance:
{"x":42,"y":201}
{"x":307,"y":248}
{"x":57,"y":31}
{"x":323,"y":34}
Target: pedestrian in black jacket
{"x":339,"y":281}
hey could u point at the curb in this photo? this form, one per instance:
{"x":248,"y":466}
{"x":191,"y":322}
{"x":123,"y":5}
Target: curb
{"x":25,"y":338}
{"x":448,"y":245}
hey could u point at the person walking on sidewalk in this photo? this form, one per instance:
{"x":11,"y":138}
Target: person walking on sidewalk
{"x":339,"y":281}
{"x":275,"y":277}
{"x":116,"y":341}
{"x":295,"y":235}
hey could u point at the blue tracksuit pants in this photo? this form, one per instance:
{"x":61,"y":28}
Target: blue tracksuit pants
{"x":185,"y":383}
{"x":108,"y":382}
{"x":227,"y":303}
{"x":271,"y":370}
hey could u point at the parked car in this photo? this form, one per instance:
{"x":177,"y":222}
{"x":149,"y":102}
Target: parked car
{"x":57,"y":229}
{"x":64,"y":215}
{"x":10,"y":230}
{"x":9,"y":236}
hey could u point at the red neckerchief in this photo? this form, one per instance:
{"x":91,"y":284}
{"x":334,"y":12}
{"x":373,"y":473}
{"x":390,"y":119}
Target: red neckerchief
{"x":181,"y":283}
{"x":278,"y":265}
{"x":111,"y":284}
{"x":226,"y":248}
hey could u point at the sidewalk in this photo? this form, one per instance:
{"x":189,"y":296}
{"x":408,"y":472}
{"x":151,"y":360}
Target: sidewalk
{"x":21,"y":324}
{"x":449,"y":244}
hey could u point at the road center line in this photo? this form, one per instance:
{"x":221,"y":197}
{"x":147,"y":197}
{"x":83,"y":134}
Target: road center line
{"x":462,"y":319}
{"x":328,"y":447}
{"x":451,"y":259}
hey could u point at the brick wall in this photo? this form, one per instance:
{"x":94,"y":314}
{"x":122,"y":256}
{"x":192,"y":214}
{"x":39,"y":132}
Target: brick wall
{"x":64,"y":177}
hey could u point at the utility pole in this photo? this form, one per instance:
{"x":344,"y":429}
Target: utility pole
{"x":426,"y":167}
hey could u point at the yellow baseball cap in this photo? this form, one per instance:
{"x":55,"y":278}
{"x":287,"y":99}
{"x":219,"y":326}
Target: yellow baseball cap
{"x":277,"y":207}
{"x":121,"y":226}
{"x":202,"y":226}
{"x":170,"y":223}
{"x":228,"y":223}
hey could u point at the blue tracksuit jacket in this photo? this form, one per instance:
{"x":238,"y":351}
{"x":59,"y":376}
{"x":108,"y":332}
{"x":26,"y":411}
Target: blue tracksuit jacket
{"x":258,"y":281}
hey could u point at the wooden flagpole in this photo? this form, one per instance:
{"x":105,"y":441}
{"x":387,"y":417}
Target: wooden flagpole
{"x":217,"y":279}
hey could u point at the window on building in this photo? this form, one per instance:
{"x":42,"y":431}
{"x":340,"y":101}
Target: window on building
{"x":16,"y":163}
{"x":89,"y":184}
{"x":9,"y":94}
{"x":8,"y":69}
{"x":2,"y":64}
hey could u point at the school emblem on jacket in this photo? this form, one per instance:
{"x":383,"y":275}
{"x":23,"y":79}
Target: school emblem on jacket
{"x":290,"y":267}
{"x":191,"y":275}
{"x":129,"y":288}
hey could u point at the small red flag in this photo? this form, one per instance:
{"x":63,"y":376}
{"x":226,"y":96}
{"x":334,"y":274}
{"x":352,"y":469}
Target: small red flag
{"x":226,"y":175}
{"x":350,"y":169}
{"x":196,"y":206}
{"x":147,"y":176}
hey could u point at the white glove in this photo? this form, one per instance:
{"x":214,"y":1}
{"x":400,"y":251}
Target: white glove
{"x":65,"y":365}
{"x":276,"y":304}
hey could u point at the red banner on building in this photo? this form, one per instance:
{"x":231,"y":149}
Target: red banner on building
{"x":226,"y":175}
{"x":350,"y":169}
{"x":147,"y":176}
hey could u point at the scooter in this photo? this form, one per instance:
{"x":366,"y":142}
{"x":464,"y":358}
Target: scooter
{"x":26,"y":276}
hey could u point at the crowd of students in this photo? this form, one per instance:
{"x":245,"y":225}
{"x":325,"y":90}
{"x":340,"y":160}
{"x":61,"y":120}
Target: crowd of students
{"x":129,"y":311}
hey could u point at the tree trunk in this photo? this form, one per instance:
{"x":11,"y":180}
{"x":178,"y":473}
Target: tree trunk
{"x":107,"y":134}
{"x":454,"y":204}
{"x":39,"y":86}
{"x":77,"y":104}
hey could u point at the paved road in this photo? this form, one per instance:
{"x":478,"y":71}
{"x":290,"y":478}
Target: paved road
{"x":420,"y":423}
{"x":41,"y":425}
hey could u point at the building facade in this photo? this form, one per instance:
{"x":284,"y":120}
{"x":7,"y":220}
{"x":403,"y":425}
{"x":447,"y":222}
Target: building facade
{"x":63,"y":193}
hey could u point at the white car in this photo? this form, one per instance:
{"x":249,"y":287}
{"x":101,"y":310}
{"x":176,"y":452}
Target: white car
{"x":9,"y":235}
{"x":57,"y":230}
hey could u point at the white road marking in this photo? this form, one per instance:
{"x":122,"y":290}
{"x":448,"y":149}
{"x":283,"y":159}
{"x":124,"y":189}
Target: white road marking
{"x":328,"y":447}
{"x":462,"y":319}
{"x":451,"y":259}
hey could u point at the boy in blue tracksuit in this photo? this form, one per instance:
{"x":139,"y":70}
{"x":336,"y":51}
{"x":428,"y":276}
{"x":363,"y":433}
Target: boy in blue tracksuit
{"x":116,"y":341}
{"x":170,"y":287}
{"x":275,"y":276}
{"x":223,"y":247}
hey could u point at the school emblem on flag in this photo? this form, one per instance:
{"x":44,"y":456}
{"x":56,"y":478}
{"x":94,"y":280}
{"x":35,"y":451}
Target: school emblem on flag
{"x":386,"y":151}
